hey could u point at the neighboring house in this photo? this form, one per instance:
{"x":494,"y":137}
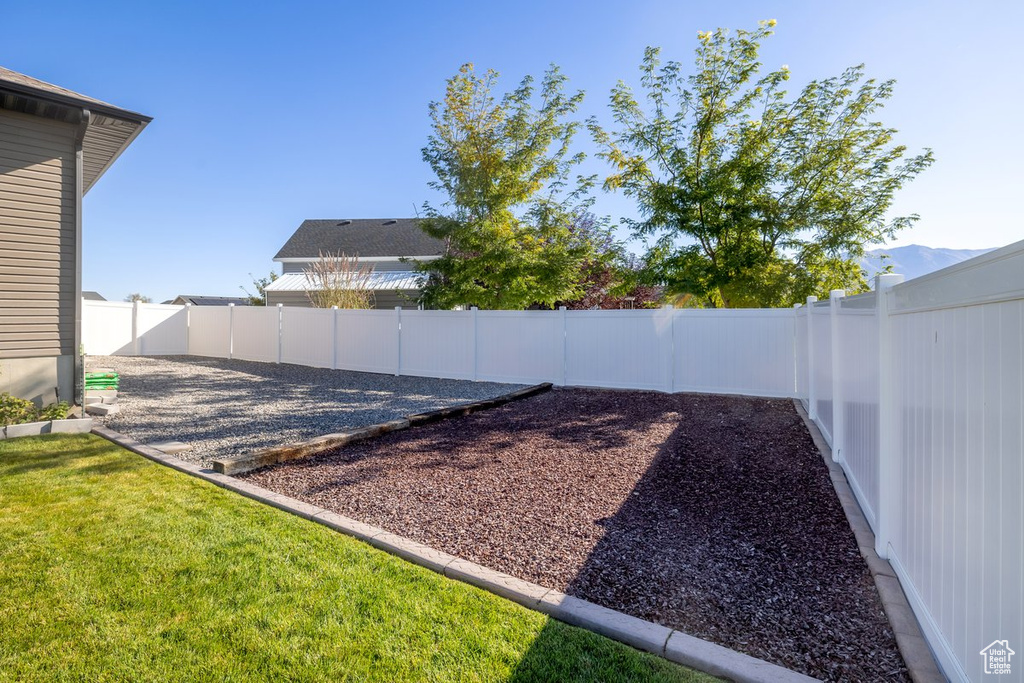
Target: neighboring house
{"x":183,"y":299}
{"x":54,"y":145}
{"x":93,"y":296}
{"x":378,"y":242}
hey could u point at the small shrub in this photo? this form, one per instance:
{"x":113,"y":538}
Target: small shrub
{"x":339,"y":280}
{"x":14,"y":410}
{"x":57,"y":411}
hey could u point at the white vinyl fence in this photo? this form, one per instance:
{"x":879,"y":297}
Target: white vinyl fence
{"x":918,"y":387}
{"x":738,"y":352}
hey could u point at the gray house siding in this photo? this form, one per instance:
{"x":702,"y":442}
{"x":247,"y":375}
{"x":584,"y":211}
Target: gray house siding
{"x":288,"y":299}
{"x":37,"y":255}
{"x":382,"y":299}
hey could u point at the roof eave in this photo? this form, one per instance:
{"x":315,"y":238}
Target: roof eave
{"x":114,"y":157}
{"x":70,"y":104}
{"x":97,"y":107}
{"x":361,"y":259}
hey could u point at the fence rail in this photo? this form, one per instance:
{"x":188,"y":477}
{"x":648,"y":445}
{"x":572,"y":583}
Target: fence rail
{"x":918,"y":387}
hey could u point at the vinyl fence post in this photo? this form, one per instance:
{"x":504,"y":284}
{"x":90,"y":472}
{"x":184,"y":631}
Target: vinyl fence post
{"x":812,"y":397}
{"x":188,"y":329}
{"x":670,"y":312}
{"x":838,"y":415}
{"x":796,"y":351}
{"x":136,"y":345}
{"x":231,"y":331}
{"x":280,"y":332}
{"x":476,"y":346}
{"x":334,"y":338}
{"x":889,"y":454}
{"x":398,"y":361}
{"x":565,"y":345}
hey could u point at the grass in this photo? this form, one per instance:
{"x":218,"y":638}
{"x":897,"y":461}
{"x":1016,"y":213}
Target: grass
{"x":113,"y":568}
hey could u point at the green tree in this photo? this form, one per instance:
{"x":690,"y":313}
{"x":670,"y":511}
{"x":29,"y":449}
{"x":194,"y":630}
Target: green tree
{"x":135,"y":296}
{"x":260,"y":284}
{"x":754,"y":198}
{"x":505,"y":166}
{"x":611,"y":276}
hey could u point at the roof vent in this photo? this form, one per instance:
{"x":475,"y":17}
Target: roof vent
{"x":346,"y":222}
{"x":390,"y":222}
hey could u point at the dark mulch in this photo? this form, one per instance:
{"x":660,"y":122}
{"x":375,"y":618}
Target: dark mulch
{"x":711,"y":514}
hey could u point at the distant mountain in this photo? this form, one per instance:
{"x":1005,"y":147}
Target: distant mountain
{"x":915,"y":260}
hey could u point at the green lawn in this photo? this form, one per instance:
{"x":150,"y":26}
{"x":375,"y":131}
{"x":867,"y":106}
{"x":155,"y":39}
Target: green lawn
{"x":114,"y":568}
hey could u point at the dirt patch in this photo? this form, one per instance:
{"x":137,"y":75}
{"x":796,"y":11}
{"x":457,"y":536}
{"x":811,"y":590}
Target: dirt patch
{"x":714,"y":515}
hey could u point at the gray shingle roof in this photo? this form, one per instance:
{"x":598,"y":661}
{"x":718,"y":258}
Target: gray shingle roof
{"x":363,"y":236}
{"x":210,"y":300}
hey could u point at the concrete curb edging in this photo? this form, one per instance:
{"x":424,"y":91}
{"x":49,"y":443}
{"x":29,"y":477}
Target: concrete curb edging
{"x":917,"y":655}
{"x":673,"y":645}
{"x":69,"y":425}
{"x":276,"y":454}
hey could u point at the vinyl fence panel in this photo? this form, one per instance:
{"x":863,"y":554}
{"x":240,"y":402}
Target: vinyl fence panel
{"x":821,"y":372}
{"x":858,"y":362}
{"x":520,"y":346}
{"x":960,"y":539}
{"x":367,"y":341}
{"x":437,"y":344}
{"x":255,"y":333}
{"x":801,"y":359}
{"x":209,"y":332}
{"x":307,"y":336}
{"x":162,"y":330}
{"x":739,"y":351}
{"x":107,"y":328}
{"x":619,"y":349}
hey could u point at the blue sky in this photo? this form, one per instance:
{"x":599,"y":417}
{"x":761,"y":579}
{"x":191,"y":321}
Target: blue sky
{"x":269,"y":113}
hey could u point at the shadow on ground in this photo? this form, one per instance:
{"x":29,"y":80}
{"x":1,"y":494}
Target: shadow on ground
{"x":79,"y":461}
{"x":734,"y":534}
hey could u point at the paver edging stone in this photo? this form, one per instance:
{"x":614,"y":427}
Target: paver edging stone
{"x":917,"y":655}
{"x":670,"y":644}
{"x":71,"y":425}
{"x":276,"y":454}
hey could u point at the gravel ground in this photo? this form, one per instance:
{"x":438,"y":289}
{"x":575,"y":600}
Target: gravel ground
{"x":714,"y":515}
{"x":223,"y":408}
